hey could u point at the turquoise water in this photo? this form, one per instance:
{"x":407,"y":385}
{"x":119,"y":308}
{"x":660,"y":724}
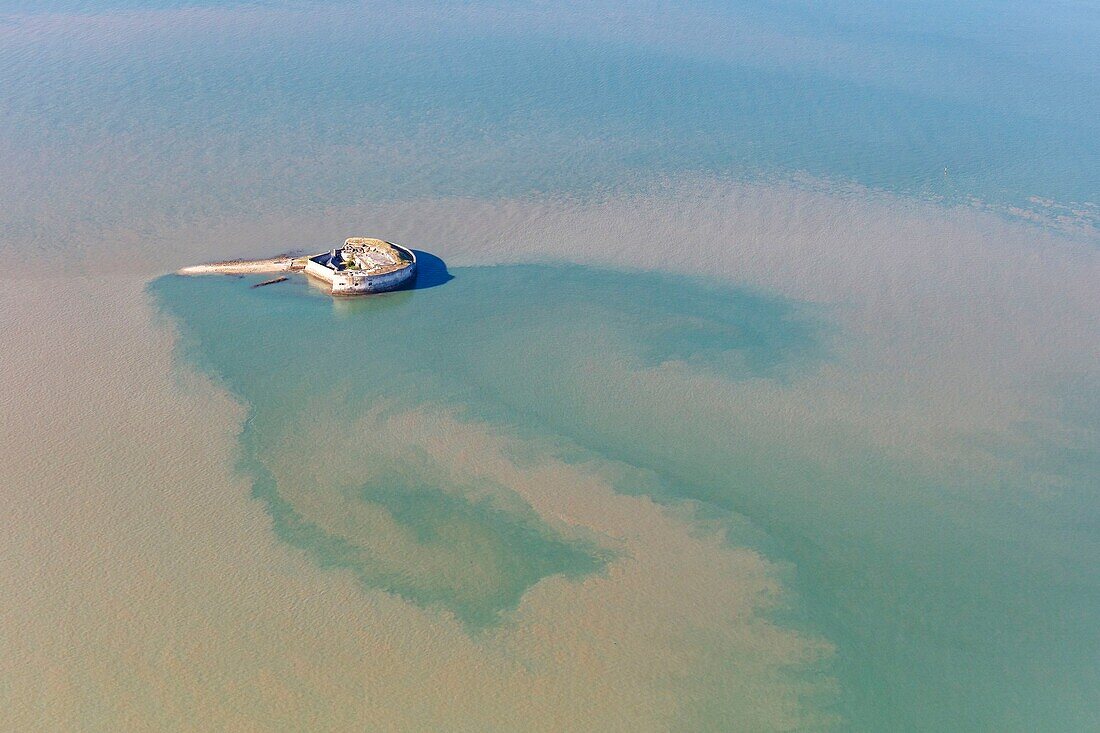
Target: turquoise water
{"x":952,"y":607}
{"x":862,"y":450}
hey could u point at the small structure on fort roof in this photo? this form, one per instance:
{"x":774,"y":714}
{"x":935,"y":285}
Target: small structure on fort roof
{"x":363,"y":265}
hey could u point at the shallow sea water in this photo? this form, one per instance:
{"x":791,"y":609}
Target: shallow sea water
{"x":750,"y":384}
{"x":641,"y":372}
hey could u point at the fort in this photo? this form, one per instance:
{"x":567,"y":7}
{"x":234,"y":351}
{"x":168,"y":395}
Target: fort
{"x":362,"y":265}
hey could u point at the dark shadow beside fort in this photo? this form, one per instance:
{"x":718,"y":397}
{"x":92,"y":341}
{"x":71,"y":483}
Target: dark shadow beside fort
{"x":430,"y":271}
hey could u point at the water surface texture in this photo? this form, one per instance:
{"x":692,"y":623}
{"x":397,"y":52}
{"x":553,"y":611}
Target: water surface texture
{"x":759,"y":390}
{"x":200,"y":109}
